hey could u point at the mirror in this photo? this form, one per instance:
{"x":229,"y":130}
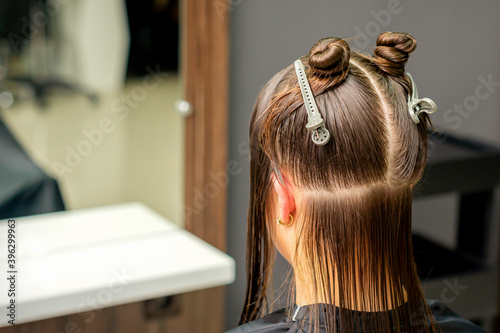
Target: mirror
{"x":89,"y":89}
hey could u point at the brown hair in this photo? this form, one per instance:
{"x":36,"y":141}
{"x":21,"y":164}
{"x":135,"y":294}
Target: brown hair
{"x":354,"y":219}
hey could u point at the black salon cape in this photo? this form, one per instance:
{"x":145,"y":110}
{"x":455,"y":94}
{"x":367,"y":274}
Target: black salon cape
{"x":278,"y":321}
{"x":25,"y":189}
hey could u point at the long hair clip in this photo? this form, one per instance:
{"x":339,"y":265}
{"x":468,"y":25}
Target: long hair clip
{"x":416,"y":106}
{"x":315,"y":122}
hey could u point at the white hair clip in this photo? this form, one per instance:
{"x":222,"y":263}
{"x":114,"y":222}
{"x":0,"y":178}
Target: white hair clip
{"x":416,"y":106}
{"x":315,"y":122}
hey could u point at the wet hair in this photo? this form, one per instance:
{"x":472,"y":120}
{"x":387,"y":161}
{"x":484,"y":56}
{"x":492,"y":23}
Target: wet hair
{"x":354,"y":217}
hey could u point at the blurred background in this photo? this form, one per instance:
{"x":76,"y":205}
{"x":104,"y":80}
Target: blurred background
{"x":88,"y":117}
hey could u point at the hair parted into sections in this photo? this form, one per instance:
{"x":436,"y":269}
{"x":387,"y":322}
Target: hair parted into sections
{"x":354,"y":216}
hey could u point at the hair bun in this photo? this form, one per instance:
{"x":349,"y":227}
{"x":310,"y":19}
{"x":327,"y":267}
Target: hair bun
{"x":330,"y":57}
{"x":392,"y":51}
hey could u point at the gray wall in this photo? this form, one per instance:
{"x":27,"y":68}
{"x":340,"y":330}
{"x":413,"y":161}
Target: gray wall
{"x":457,"y":44}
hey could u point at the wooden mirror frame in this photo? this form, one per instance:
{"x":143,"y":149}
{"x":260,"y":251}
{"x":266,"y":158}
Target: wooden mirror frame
{"x":205,"y":74}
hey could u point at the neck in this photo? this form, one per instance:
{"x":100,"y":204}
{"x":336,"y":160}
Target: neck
{"x":364,"y":298}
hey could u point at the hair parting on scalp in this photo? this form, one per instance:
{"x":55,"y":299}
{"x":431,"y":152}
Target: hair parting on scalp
{"x":354,"y":247}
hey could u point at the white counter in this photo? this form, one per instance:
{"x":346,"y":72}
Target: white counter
{"x":75,"y":261}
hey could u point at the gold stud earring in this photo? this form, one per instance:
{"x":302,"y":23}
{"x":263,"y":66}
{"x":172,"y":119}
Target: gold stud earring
{"x":280,"y":221}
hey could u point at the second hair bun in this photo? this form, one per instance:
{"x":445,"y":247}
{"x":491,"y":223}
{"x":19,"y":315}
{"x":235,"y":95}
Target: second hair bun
{"x":392,"y":51}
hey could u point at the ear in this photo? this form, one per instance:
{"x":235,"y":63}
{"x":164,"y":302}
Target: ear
{"x":285,"y":197}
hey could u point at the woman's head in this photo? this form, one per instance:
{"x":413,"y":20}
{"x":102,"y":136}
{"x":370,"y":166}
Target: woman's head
{"x":350,"y":199}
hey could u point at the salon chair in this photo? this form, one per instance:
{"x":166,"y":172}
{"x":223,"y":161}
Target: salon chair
{"x":465,"y":277}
